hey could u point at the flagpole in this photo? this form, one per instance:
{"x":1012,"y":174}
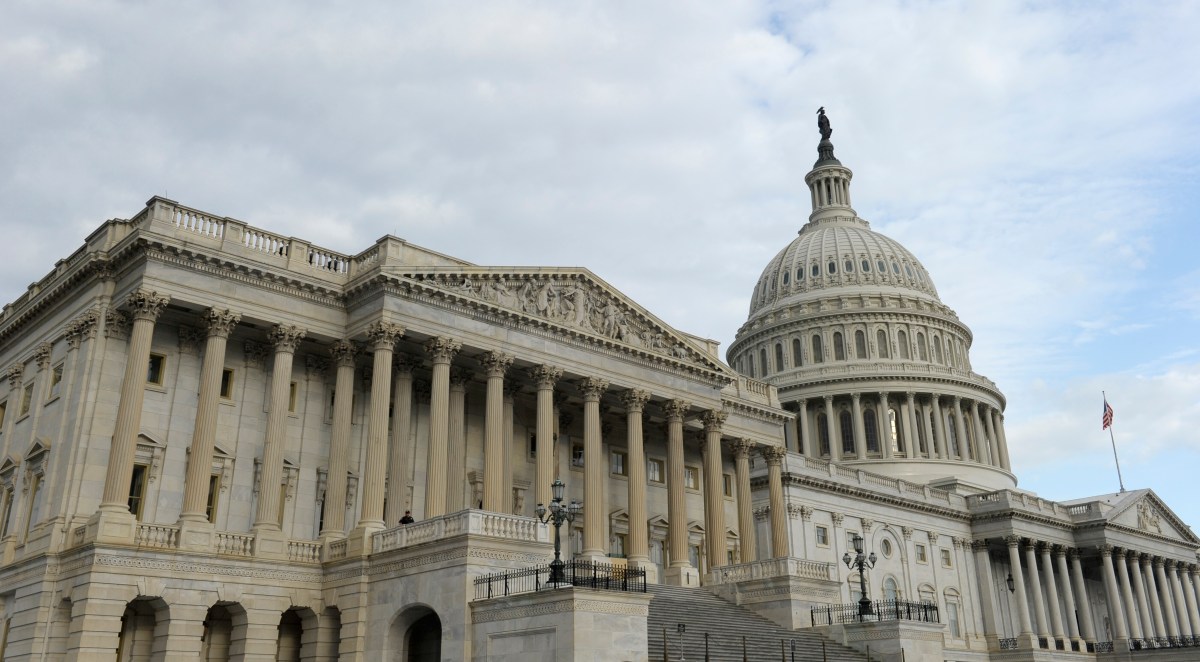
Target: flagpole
{"x":1120,"y":480}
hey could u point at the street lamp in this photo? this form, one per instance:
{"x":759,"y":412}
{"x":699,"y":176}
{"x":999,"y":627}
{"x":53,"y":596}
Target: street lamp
{"x":1012,"y":586}
{"x":863,"y":563}
{"x":557,"y":514}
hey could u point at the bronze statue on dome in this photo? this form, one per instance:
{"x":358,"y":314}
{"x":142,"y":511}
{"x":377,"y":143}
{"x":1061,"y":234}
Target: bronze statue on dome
{"x":823,"y":124}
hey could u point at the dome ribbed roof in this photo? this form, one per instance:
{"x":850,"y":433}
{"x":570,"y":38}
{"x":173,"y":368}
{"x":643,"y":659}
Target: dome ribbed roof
{"x":840,"y":253}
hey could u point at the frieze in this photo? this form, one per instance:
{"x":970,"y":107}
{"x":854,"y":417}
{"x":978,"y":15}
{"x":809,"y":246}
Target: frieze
{"x":176,"y":567}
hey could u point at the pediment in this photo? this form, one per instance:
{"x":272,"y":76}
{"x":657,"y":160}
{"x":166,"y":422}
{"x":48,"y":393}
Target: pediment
{"x":574,"y":300}
{"x":8,"y":465}
{"x":38,"y":447}
{"x":1148,"y":513}
{"x":147,"y":440}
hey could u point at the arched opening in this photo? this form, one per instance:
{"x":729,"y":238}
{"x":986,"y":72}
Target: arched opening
{"x":140,"y":627}
{"x":291,"y":632}
{"x":823,"y":433}
{"x":902,"y":340}
{"x":922,"y":351}
{"x":796,"y":352}
{"x":416,"y":635}
{"x":218,"y":634}
{"x":779,"y":356}
{"x":860,"y":344}
{"x":937,"y":350}
{"x":872,"y":430}
{"x":839,"y":348}
{"x":881,"y":343}
{"x":818,"y":355}
{"x":847,"y":425}
{"x":895,"y":431}
{"x":890,"y":591}
{"x":762,"y":360}
{"x":952,"y":436}
{"x":750,"y":365}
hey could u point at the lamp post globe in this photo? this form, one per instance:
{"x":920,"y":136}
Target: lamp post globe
{"x":556,"y":514}
{"x":861,"y":562}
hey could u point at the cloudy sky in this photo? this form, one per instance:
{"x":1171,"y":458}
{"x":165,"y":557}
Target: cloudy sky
{"x":1039,"y":158}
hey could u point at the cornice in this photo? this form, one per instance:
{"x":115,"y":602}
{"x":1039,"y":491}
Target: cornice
{"x":804,"y":383}
{"x":856,"y":492}
{"x":770,"y":415}
{"x":245,"y":274}
{"x":806,"y":320}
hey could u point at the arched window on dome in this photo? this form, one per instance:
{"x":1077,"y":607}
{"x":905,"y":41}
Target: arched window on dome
{"x":954,"y":353}
{"x":895,"y":268}
{"x":832,"y":266}
{"x":823,"y":433}
{"x":881,"y":267}
{"x":786,"y":275}
{"x":816,"y":270}
{"x":902,"y":341}
{"x":797,"y":351}
{"x":847,"y":425}
{"x":762,"y":361}
{"x":860,"y":344}
{"x":871,"y":428}
{"x":895,"y":432}
{"x":908,"y":270}
{"x":779,"y":357}
{"x":817,"y":351}
{"x":848,"y":266}
{"x":937,"y":350}
{"x":881,"y":343}
{"x":922,"y":351}
{"x":750,"y":365}
{"x":866,"y":266}
{"x":951,"y":435}
{"x":799,"y":274}
{"x":839,"y":348}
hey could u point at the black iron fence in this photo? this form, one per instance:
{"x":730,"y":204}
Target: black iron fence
{"x":881,"y":610}
{"x":583,"y":574}
{"x":1154,"y":643}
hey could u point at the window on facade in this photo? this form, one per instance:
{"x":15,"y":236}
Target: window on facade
{"x":902,"y":340}
{"x":694,"y":555}
{"x":921,"y":554}
{"x":293,"y":396}
{"x":619,"y":541}
{"x":576,"y":455}
{"x":617,"y":463}
{"x":937,"y":350}
{"x":886,"y":548}
{"x":860,"y":345}
{"x":762,"y":361}
{"x":894,"y":431}
{"x":799,"y":274}
{"x":779,"y":356}
{"x":6,"y":513}
{"x":952,"y":617}
{"x":655,"y":471}
{"x":848,"y":266}
{"x":786,"y":277}
{"x":532,"y":447}
{"x":895,"y":268}
{"x":26,"y":399}
{"x":137,"y":489}
{"x":871,"y":429}
{"x":3,"y":412}
{"x":796,"y":352}
{"x":866,"y":266}
{"x":881,"y":342}
{"x":839,"y":348}
{"x":56,"y":377}
{"x":822,"y":536}
{"x":881,"y":267}
{"x":890,"y":591}
{"x":832,"y":266}
{"x":818,"y":356}
{"x":847,"y":429}
{"x":691,"y":478}
{"x":155,"y":370}
{"x":946,"y":558}
{"x":727,"y":485}
{"x":908,"y":270}
{"x":969,"y":441}
{"x":816,"y":270}
{"x":750,"y":364}
{"x":823,"y":433}
{"x":227,"y":384}
{"x":951,"y":435}
{"x":214,"y":488}
{"x":922,"y":353}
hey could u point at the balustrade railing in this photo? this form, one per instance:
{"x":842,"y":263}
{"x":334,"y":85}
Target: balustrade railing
{"x":159,"y":536}
{"x":473,"y":522}
{"x":235,"y":544}
{"x":190,"y":220}
{"x":308,"y":551}
{"x":580,"y":574}
{"x":881,"y":610}
{"x":782,"y":567}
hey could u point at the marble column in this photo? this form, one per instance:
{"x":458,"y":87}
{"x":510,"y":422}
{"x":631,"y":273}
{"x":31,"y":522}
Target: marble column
{"x":343,"y":353}
{"x":991,"y":433}
{"x":639,"y":549}
{"x":204,"y":436}
{"x":810,"y":443}
{"x":595,"y":512}
{"x":677,"y":532}
{"x":456,"y":433}
{"x":1025,"y":627}
{"x":943,"y":443}
{"x":983,"y":450}
{"x":960,"y":429}
{"x":912,"y":445}
{"x":1181,"y":610}
{"x":286,"y":339}
{"x":983,"y":571}
{"x":494,"y":499}
{"x":1035,"y":584}
{"x":1086,"y":623}
{"x":1142,"y":615}
{"x":1164,"y":594}
{"x":831,"y":427}
{"x":511,"y":388}
{"x":741,"y":455}
{"x":1115,"y":612}
{"x":545,"y":376}
{"x":1060,"y":558}
{"x":931,"y":444}
{"x":1135,"y":628}
{"x":1187,"y":579}
{"x":441,"y":351}
{"x":145,"y":307}
{"x":885,"y":428}
{"x":1160,"y":627}
{"x":1003,"y":445}
{"x":399,"y":457}
{"x":714,"y":492}
{"x":860,"y":437}
{"x":779,"y":536}
{"x":1056,"y":621}
{"x":383,"y":337}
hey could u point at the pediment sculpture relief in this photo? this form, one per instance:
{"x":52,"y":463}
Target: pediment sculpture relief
{"x":1148,"y":519}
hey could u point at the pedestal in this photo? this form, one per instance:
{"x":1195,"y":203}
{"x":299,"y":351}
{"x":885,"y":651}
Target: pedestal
{"x":270,"y":544}
{"x":681,"y":575}
{"x":197,"y":536}
{"x":117,"y":526}
{"x":650,"y":568}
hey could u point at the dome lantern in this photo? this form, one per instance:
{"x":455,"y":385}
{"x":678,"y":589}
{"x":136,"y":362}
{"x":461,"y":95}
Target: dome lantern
{"x":828,"y":181}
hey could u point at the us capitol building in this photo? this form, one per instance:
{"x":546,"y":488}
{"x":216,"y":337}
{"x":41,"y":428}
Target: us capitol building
{"x":211,"y":432}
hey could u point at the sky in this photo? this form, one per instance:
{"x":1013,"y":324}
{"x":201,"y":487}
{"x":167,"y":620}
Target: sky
{"x":1040,"y":159}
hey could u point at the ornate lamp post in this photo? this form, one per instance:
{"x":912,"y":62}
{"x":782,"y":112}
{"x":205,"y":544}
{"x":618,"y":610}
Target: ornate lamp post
{"x":556,"y":515}
{"x":863,"y":563}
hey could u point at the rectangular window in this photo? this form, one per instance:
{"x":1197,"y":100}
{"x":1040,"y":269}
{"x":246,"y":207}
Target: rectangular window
{"x":922,"y":557}
{"x":576,"y":456}
{"x":56,"y":377}
{"x":822,"y":536}
{"x":26,"y":399}
{"x":952,"y":608}
{"x":619,"y":541}
{"x":946,"y":559}
{"x":137,"y":489}
{"x":655,"y":471}
{"x":691,"y":478}
{"x":3,"y":411}
{"x":6,"y":514}
{"x":35,"y":503}
{"x":533,"y":446}
{"x":214,"y":488}
{"x":293,"y":390}
{"x":154,"y":372}
{"x":616,"y":462}
{"x":850,"y":539}
{"x":727,"y":484}
{"x":227,"y":384}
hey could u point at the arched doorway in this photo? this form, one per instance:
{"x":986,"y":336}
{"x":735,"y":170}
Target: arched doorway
{"x":218,"y":632}
{"x":138,"y":629}
{"x":291,"y":631}
{"x":424,"y":639}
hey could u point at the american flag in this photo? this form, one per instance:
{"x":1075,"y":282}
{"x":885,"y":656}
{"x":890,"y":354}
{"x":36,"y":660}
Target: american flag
{"x":1108,"y":414}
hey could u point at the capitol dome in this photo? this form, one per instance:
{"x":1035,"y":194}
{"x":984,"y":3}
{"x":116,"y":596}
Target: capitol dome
{"x":846,"y":323}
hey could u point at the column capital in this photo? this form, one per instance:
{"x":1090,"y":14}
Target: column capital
{"x":713,"y":420}
{"x":1012,"y":541}
{"x":459,"y":376}
{"x":255,"y":353}
{"x":442,"y":349}
{"x":635,"y":400}
{"x":146,"y":304}
{"x":772,"y":454}
{"x":1144,"y":559}
{"x":906,"y":532}
{"x":405,"y":364}
{"x":343,"y":353}
{"x":1060,"y":550}
{"x":742,"y":447}
{"x":957,"y":400}
{"x":802,"y":403}
{"x":1130,"y":554}
{"x":593,"y":388}
{"x":1170,"y":564}
{"x":383,"y":335}
{"x":1106,"y":550}
{"x":1158,"y":561}
{"x":676,"y":409}
{"x":545,"y":375}
{"x":496,"y":363}
{"x":837,"y":518}
{"x":286,"y":337}
{"x":979,"y":545}
{"x":315,"y":365}
{"x":220,"y":322}
{"x":511,"y":389}
{"x":41,"y":354}
{"x":806,"y":513}
{"x":15,"y":374}
{"x":910,"y":395}
{"x":856,"y":397}
{"x":883,"y":396}
{"x":828,"y":400}
{"x":1073,"y":553}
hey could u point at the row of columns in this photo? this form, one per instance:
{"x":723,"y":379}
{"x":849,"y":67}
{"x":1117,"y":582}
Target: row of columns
{"x":986,"y":423}
{"x":1151,"y":597}
{"x":1044,"y":583}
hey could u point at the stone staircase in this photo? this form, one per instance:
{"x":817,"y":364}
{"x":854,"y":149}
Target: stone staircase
{"x":726,"y":624}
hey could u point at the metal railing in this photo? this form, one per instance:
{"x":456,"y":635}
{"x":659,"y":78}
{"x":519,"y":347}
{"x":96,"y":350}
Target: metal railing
{"x":881,"y":610}
{"x":1154,"y":643}
{"x":581,"y":574}
{"x":1008,"y":644}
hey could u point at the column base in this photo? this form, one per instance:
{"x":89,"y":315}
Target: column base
{"x":592,"y":557}
{"x":358,"y":542}
{"x":115,"y":525}
{"x":197,"y":535}
{"x":270,"y":544}
{"x":647,"y":565}
{"x":681,"y":575}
